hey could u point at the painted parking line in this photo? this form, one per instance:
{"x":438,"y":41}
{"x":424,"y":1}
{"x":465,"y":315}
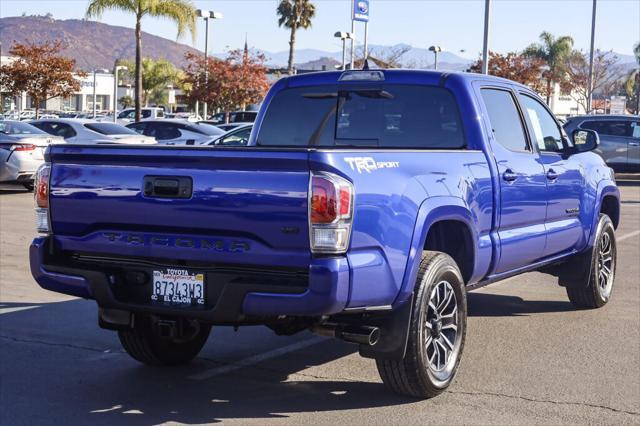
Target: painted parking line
{"x":252,"y":360}
{"x":5,"y":310}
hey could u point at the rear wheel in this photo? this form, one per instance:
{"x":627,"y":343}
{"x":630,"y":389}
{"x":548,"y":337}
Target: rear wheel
{"x":590,"y":282}
{"x":146,"y":342}
{"x":436,"y":332}
{"x":28,"y":186}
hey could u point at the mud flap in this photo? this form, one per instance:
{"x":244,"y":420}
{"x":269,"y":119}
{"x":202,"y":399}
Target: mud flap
{"x":394,"y":332}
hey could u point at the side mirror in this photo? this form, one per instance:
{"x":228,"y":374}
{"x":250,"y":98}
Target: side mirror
{"x":585,"y":140}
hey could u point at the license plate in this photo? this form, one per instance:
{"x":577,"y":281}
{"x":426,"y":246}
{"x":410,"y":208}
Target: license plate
{"x":178,"y":287}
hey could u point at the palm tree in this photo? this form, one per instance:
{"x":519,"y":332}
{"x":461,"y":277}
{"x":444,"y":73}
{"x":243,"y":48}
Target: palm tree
{"x":156,"y":76}
{"x":555,"y":51}
{"x":182,"y":12}
{"x":294,"y":14}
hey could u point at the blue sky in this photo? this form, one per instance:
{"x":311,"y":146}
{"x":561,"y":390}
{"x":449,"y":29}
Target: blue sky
{"x":453,"y":24}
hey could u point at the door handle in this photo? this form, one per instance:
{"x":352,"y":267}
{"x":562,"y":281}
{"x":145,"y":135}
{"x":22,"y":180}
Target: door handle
{"x":509,"y":175}
{"x":167,"y":186}
{"x":552,"y":175}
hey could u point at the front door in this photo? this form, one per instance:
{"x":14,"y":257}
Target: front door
{"x":523,"y":201}
{"x":565,"y":179}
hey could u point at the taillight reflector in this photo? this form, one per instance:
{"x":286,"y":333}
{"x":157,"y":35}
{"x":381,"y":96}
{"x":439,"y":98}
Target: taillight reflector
{"x":24,"y":147}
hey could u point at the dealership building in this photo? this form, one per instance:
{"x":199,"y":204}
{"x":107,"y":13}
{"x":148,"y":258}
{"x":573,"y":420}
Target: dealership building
{"x":82,"y":100}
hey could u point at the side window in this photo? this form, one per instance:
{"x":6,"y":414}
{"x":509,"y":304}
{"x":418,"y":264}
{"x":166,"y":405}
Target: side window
{"x":635,"y":126}
{"x":138,"y":127}
{"x":505,"y":120}
{"x":61,"y":129}
{"x":45,"y":127}
{"x":165,"y":131}
{"x":618,"y":128}
{"x":239,"y":138}
{"x":160,"y":113}
{"x":542,"y":126}
{"x":127,"y":115}
{"x":145,"y":113}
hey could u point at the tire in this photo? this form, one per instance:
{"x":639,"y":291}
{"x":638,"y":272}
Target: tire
{"x":144,"y":344}
{"x":590,"y":277}
{"x":419,"y":373}
{"x":28,"y":186}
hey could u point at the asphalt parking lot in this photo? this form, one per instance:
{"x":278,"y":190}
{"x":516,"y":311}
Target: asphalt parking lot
{"x":529,"y":358}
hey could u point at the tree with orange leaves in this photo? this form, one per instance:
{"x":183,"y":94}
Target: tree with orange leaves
{"x":523,"y":69}
{"x":40,"y":71}
{"x":234,"y":82}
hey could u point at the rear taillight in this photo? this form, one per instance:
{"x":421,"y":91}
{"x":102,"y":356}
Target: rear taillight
{"x":24,"y":147}
{"x":17,"y":147}
{"x":41,"y":197}
{"x":330,"y":212}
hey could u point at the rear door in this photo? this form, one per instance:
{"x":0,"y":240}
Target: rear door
{"x":523,"y":200}
{"x":564,"y":176}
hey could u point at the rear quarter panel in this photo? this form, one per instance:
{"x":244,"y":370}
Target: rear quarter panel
{"x":388,"y":229}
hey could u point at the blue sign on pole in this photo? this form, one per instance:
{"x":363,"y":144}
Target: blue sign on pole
{"x":361,"y":10}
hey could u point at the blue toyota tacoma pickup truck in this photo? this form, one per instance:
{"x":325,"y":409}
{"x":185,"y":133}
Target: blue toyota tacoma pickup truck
{"x":365,"y":207}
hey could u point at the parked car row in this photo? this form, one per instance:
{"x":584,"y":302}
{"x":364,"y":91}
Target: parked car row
{"x":22,"y":143}
{"x":91,"y":132}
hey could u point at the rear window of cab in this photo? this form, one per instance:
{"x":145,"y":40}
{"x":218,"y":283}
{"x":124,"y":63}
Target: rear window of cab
{"x":385,"y":116}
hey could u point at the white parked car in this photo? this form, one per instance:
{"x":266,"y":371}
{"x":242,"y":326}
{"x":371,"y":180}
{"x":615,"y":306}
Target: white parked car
{"x":22,"y":151}
{"x":129,"y":115}
{"x":76,"y":131}
{"x":177,"y":132}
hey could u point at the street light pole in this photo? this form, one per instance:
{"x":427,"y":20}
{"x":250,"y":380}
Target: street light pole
{"x":435,"y":50}
{"x":593,"y":36}
{"x":115,"y":90}
{"x":207,"y":14}
{"x":353,"y":41}
{"x":94,"y":94}
{"x":344,"y":36}
{"x":206,"y":63}
{"x":485,"y":42}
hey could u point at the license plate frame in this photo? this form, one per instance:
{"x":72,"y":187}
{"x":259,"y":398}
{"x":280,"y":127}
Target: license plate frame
{"x":178,"y":287}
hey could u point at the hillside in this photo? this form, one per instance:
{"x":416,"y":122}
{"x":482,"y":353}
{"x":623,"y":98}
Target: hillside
{"x":92,"y":44}
{"x":97,"y":45}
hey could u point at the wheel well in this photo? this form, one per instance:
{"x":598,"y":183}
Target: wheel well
{"x":454,"y":238}
{"x":611,"y":208}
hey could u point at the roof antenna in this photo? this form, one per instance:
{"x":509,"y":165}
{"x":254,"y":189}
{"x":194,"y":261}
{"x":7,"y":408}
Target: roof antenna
{"x":365,"y":67}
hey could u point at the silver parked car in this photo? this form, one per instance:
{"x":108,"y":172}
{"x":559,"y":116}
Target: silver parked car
{"x":22,"y":151}
{"x":76,"y":131}
{"x":177,"y":132}
{"x":619,"y":138}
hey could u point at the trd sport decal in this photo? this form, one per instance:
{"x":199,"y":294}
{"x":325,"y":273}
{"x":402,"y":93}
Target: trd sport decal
{"x":368,"y":164}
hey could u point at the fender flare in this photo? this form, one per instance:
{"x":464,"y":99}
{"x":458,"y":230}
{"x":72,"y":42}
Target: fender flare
{"x":431,"y":211}
{"x":605,"y":187}
{"x":394,"y":326}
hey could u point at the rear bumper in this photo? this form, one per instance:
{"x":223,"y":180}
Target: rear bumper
{"x":325,"y":290}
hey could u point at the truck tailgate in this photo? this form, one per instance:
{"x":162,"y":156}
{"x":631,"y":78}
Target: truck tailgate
{"x":248,"y":206}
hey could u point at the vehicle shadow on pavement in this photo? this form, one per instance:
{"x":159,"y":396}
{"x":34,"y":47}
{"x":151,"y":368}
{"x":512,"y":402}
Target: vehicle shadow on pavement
{"x":55,"y":363}
{"x":498,"y":305}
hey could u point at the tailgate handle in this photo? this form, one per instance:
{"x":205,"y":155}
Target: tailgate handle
{"x":168,"y":186}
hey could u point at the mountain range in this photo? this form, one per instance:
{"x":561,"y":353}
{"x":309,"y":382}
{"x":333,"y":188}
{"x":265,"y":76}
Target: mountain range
{"x":98,"y":45}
